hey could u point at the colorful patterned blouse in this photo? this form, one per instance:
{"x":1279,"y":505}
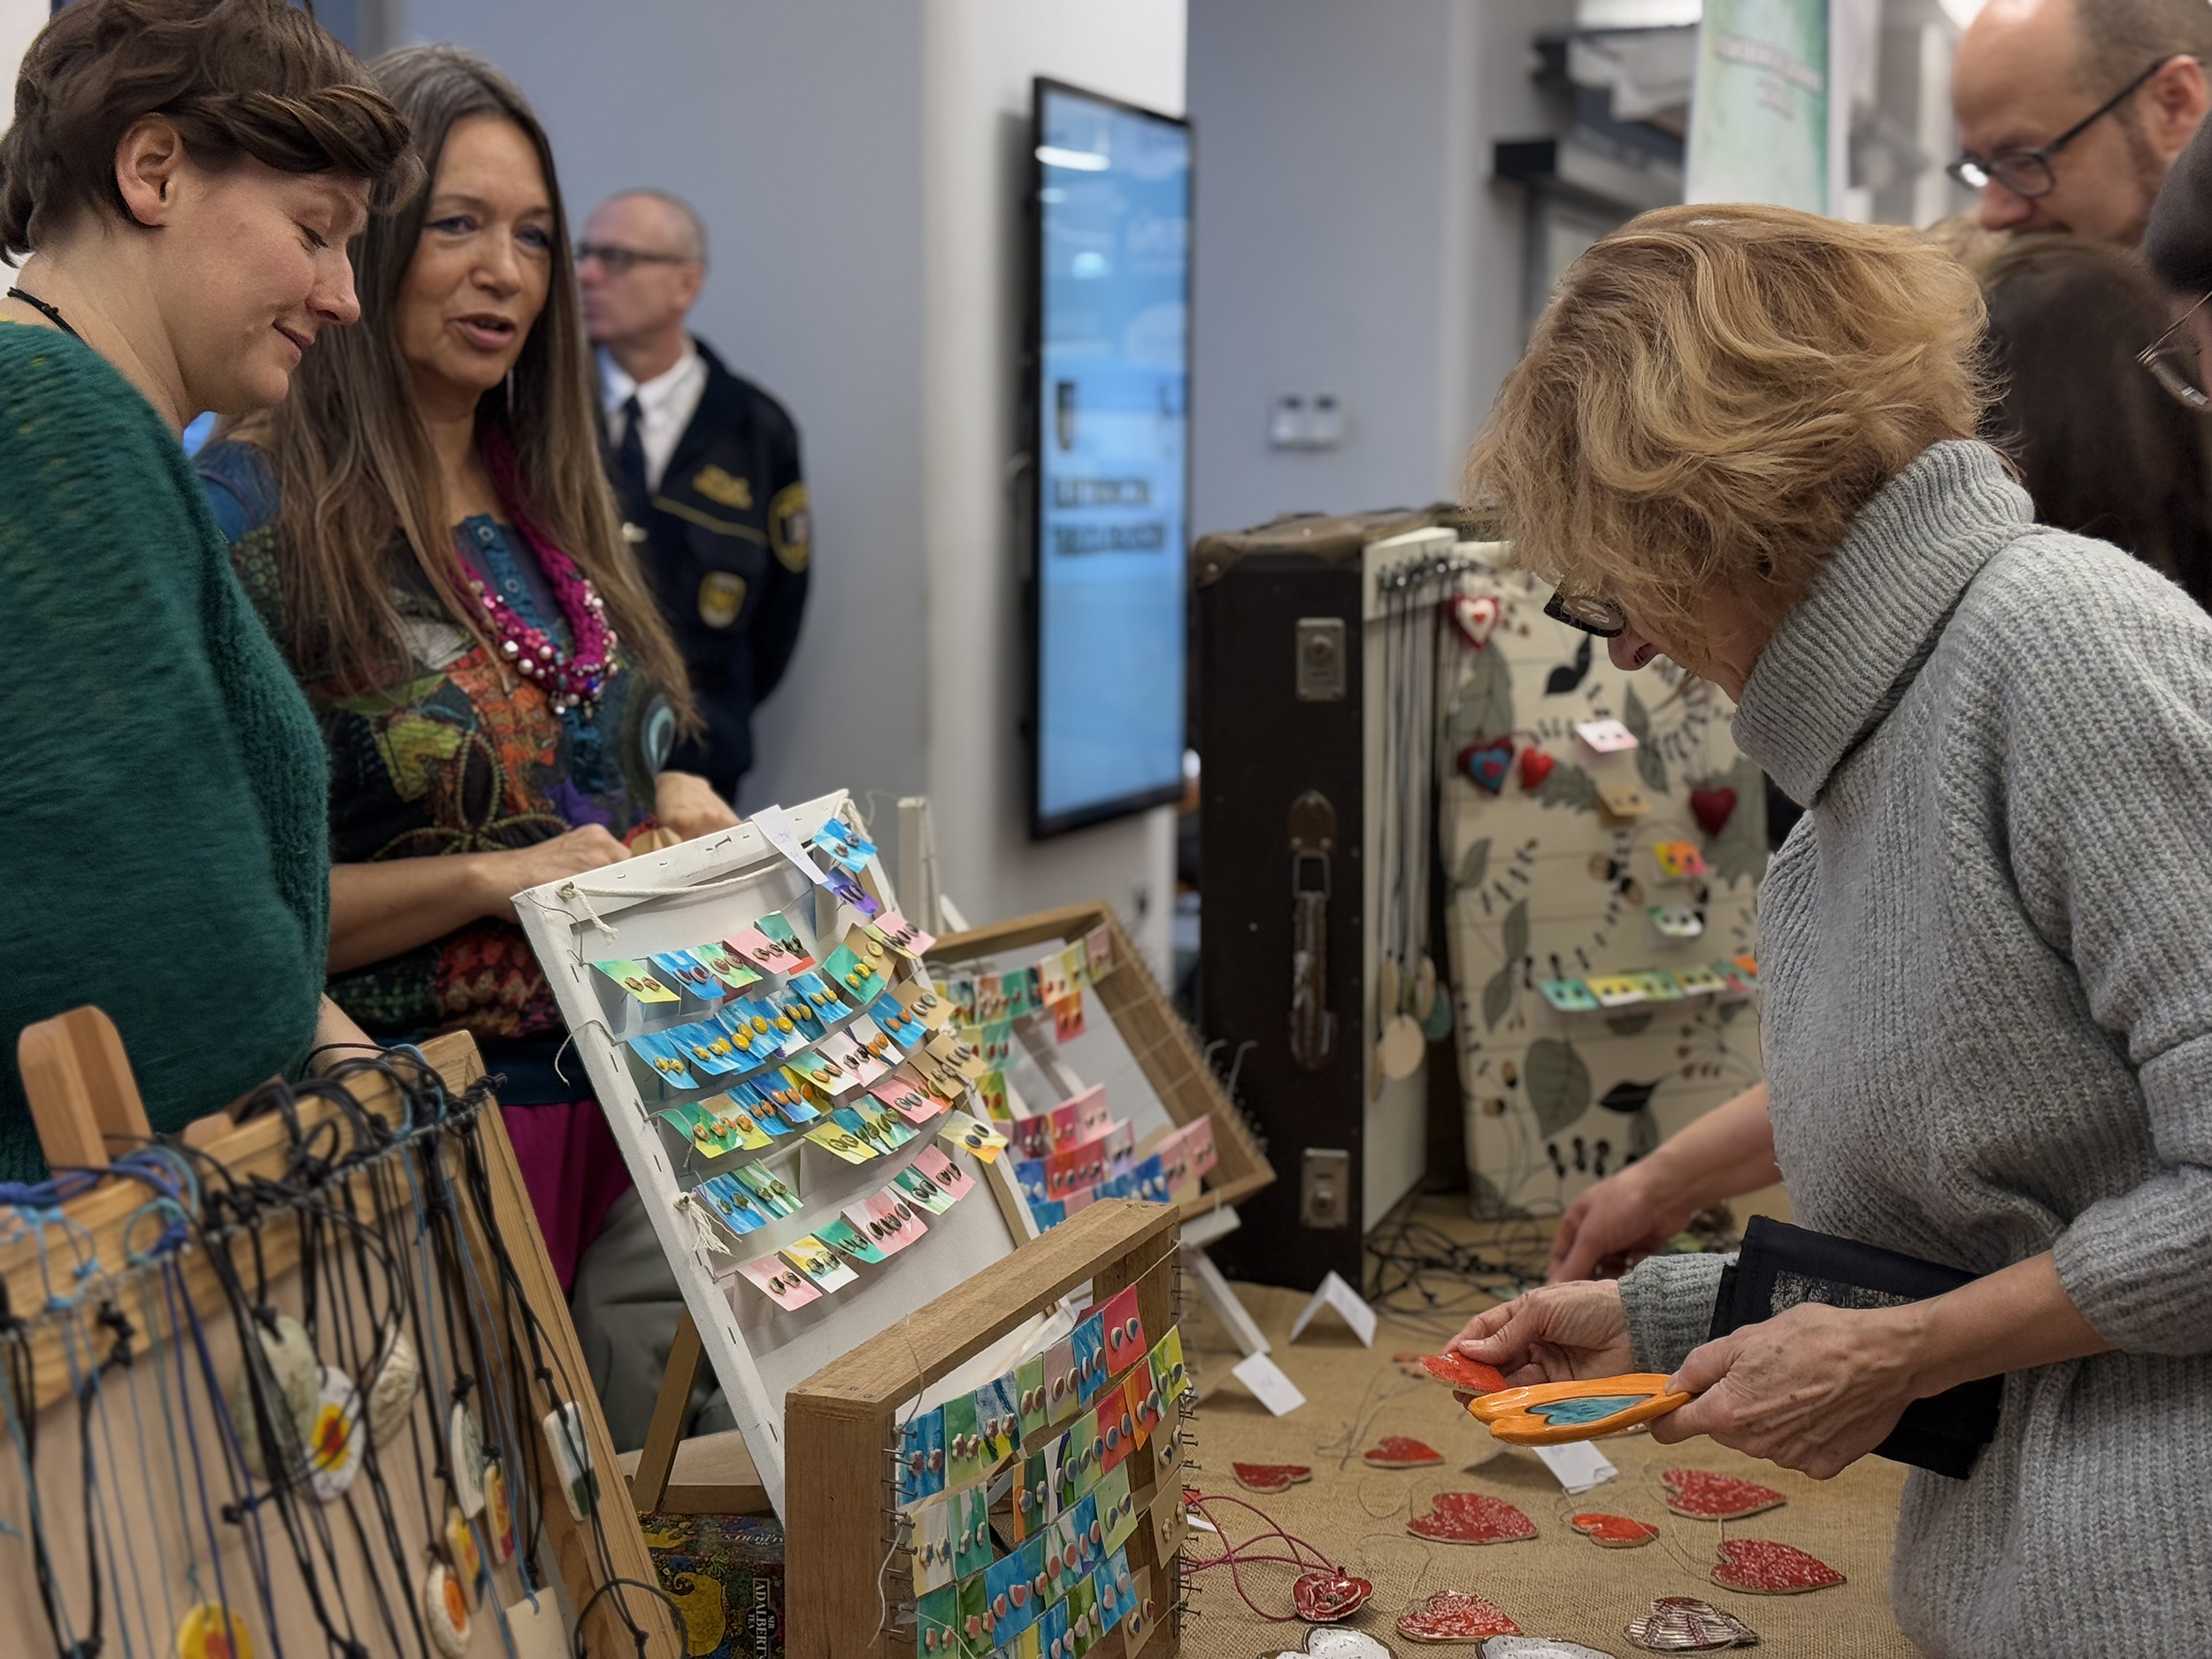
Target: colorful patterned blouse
{"x":454,"y":760}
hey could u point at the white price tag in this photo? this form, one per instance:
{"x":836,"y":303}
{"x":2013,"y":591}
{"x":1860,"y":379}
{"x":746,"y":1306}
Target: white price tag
{"x":1579,"y":1464}
{"x":535,"y":1630}
{"x":769,"y":822}
{"x":1334,"y":1293}
{"x":1264,"y":1377}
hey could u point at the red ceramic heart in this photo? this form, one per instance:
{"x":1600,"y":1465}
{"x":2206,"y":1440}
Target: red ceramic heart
{"x":1682,"y":1623}
{"x":1396,"y":1451}
{"x":1535,"y":767}
{"x":1323,"y":1598}
{"x":1486,"y":764}
{"x":1705,"y":1496}
{"x":1270,"y":1476}
{"x":1463,"y":1373}
{"x":1614,"y":1532}
{"x":1759,"y":1566}
{"x":1475,"y":618}
{"x":1455,"y":1615}
{"x":1471,"y":1517}
{"x":1712,"y":809}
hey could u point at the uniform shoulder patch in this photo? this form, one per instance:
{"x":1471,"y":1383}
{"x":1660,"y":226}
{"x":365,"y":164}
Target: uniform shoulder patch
{"x":717,"y":485}
{"x":791,"y":527}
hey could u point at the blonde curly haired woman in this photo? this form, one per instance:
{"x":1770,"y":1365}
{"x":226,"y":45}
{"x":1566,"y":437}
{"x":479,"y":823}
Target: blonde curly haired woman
{"x":1743,"y":438}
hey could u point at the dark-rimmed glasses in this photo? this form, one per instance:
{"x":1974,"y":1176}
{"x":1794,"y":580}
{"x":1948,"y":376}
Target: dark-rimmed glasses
{"x":2176,"y":365}
{"x":1601,"y":616}
{"x":2027,"y":172}
{"x":618,"y":261}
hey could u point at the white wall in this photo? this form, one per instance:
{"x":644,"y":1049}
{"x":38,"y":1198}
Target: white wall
{"x":981,"y":55}
{"x":859,"y":165}
{"x":1350,"y":240}
{"x":20,"y":21}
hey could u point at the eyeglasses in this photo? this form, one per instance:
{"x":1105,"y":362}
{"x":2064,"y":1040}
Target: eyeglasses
{"x":2028,"y":172}
{"x":618,"y":261}
{"x":1601,"y":616}
{"x":2176,"y":365}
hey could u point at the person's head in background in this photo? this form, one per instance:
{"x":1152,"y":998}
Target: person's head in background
{"x":642,"y":265}
{"x":184,"y":175}
{"x":2101,"y":447}
{"x":2177,"y":249}
{"x":2070,"y":112}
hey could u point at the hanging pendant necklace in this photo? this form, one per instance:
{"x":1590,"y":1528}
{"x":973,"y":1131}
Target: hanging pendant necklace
{"x":48,"y":309}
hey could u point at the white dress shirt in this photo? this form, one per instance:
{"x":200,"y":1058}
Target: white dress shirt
{"x":665,"y":403}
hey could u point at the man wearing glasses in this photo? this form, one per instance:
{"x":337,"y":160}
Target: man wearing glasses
{"x":2070,"y":112}
{"x":706,"y":467}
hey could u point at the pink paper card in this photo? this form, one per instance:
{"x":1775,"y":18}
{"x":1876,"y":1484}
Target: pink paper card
{"x":889,"y":1227}
{"x":1092,"y":1115}
{"x":900,"y":1093}
{"x":1125,"y":1332}
{"x":849,"y":1053}
{"x":780,"y":1282}
{"x":1078,"y":1167}
{"x":1606,"y":737}
{"x":948,"y":1176}
{"x":902,"y":935}
{"x":1098,"y":952}
{"x":819,"y":1262}
{"x":1030,"y":1137}
{"x":1110,"y":1433}
{"x":1066,"y":1121}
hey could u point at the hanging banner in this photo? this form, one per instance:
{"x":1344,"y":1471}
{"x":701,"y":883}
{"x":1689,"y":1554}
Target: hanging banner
{"x":1759,"y":126}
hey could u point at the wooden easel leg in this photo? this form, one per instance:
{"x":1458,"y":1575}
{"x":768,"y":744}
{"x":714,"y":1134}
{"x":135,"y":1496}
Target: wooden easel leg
{"x":649,"y":1484}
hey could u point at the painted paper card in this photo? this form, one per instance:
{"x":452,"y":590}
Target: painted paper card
{"x":1089,"y":1338}
{"x":1088,"y":1535}
{"x":789,"y":1095}
{"x":822,"y":1072}
{"x":1029,"y":1396}
{"x":707,"y":1047}
{"x":996,"y":1419}
{"x":1117,"y":1507}
{"x":1125,"y":1331}
{"x":850,"y":893}
{"x":841,"y":1236}
{"x":1067,"y":1018}
{"x":975,"y":1608}
{"x":1052,"y":1628}
{"x":751,"y":1022}
{"x":1053,"y":983}
{"x":899,"y":1094}
{"x":937,"y":1617}
{"x":1614,"y":990}
{"x":1065,"y":1123}
{"x":735,"y":973}
{"x":958,"y":992}
{"x":949,"y":1176}
{"x":874,"y":1042}
{"x":1062,"y":1398}
{"x":919,"y":1190}
{"x":745,"y":1099}
{"x":822,"y":1001}
{"x":859,"y":982}
{"x":1657,"y":986}
{"x":1013,"y":1608}
{"x":926,"y":1006}
{"x":1082,"y":1609}
{"x":791,"y":956}
{"x":1076,"y":965}
{"x":637,"y":981}
{"x":834,"y":1138}
{"x":965,"y":1463}
{"x":958,"y":1129}
{"x":889,"y":1223}
{"x":843,"y":843}
{"x":896,"y":1021}
{"x":1098,"y":952}
{"x":1114,"y":1439}
{"x":1030,"y":1138}
{"x":660,"y":1056}
{"x":902,"y":935}
{"x":1699,"y":982}
{"x":932,"y":1546}
{"x":990,"y":1094}
{"x":770,"y":1188}
{"x":913,"y":1464}
{"x":846,"y":1049}
{"x":1018,"y":994}
{"x":819,"y":1262}
{"x":731,"y":1205}
{"x":1569,"y":996}
{"x":780,"y":1282}
{"x":1168,"y":1369}
{"x":686,"y":971}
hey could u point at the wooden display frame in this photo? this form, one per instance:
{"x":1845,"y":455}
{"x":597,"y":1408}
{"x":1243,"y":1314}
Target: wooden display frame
{"x":841,"y":1548}
{"x":1156,"y":1037}
{"x":682,"y":895}
{"x":85,"y":1103}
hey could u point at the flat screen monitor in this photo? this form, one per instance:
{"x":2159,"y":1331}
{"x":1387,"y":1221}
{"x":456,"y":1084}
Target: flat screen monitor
{"x":1108,"y":402}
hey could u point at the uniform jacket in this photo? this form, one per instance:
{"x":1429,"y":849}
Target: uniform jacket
{"x":725,"y":541}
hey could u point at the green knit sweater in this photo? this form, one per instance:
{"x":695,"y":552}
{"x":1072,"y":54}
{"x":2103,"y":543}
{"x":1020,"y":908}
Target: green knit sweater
{"x":163,"y":796}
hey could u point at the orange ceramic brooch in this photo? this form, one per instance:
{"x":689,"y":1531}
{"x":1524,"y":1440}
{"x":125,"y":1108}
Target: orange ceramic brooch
{"x":1552,"y":1414}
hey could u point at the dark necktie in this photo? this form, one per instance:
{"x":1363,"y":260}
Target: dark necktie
{"x":629,"y":459}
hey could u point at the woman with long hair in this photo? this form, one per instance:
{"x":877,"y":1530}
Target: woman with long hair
{"x":184,"y":175}
{"x":427,"y":531}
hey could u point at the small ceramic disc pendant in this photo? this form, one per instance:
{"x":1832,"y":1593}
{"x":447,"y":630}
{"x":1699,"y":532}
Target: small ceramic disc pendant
{"x":208,"y":1631}
{"x":333,"y":1445}
{"x":298,"y":1375}
{"x":499,"y":1515}
{"x":464,"y":1448}
{"x":1402,"y":1046}
{"x":392,"y":1388}
{"x":445,"y":1611}
{"x":461,"y":1550}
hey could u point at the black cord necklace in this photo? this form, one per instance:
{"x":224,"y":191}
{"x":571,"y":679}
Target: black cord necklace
{"x":51,"y":311}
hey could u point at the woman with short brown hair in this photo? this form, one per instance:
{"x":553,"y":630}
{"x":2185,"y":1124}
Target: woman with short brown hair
{"x":184,"y":175}
{"x":1742,"y":437}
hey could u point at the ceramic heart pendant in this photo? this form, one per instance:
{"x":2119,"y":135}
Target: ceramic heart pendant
{"x":1470,"y":1517}
{"x":1396,"y":1451}
{"x":1705,"y":1496}
{"x":1485,"y":764}
{"x":1270,"y":1476}
{"x":1332,"y":1642}
{"x":1465,"y":1376}
{"x":1758,"y":1566}
{"x":1455,"y":1615}
{"x":1682,"y":1623}
{"x":1323,"y":1598}
{"x":1712,"y":809}
{"x":1536,"y":1648}
{"x":1614,"y":1532}
{"x":1535,"y":767}
{"x":1475,"y":617}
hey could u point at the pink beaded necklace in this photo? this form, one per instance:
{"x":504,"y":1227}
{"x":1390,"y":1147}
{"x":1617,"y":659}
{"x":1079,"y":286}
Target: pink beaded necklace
{"x":576,"y":678}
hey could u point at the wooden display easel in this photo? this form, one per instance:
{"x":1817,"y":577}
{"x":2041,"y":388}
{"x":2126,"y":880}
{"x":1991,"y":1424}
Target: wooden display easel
{"x":85,"y":1101}
{"x":842,"y":1426}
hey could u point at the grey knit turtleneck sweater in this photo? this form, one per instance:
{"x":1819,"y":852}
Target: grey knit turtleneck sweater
{"x":1988,"y":961}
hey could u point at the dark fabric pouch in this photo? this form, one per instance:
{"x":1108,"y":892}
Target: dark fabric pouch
{"x":1780,"y":1266}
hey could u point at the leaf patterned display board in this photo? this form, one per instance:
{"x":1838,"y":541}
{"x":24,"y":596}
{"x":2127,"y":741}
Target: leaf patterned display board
{"x":1557,"y":901}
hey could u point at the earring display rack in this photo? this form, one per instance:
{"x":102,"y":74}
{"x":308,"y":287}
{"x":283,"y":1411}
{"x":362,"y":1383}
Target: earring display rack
{"x":716,"y":889}
{"x":108,"y":1254}
{"x":850,"y":1545}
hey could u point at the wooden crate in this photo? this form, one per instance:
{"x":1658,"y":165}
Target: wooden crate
{"x":1159,"y":1041}
{"x":844,"y":1565}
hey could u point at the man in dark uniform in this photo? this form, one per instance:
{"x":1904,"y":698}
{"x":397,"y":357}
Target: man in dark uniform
{"x":706,"y":465}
